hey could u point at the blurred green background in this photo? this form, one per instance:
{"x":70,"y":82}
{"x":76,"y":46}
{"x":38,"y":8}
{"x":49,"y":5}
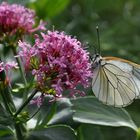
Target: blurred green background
{"x":119,"y":25}
{"x":118,"y":21}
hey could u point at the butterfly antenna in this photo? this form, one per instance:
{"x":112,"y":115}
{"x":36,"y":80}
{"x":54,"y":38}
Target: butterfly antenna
{"x":94,"y":49}
{"x":98,"y":38}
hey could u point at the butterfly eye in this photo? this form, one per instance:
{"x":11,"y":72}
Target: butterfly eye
{"x":95,"y":64}
{"x":95,"y":56}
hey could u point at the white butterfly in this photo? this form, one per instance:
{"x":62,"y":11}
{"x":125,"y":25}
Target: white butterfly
{"x":115,"y":81}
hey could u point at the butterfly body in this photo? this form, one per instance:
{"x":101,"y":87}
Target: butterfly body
{"x":115,"y":81}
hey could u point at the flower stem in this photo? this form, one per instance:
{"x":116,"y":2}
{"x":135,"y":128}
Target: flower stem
{"x":6,"y":94}
{"x":138,"y":134}
{"x":19,"y":133}
{"x":5,"y":100}
{"x":19,"y":64}
{"x":26,"y":102}
{"x":8,"y":102}
{"x":20,"y":69}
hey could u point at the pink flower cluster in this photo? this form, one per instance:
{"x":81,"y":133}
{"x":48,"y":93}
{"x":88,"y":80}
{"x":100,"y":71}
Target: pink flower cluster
{"x":8,"y":65}
{"x":15,"y":18}
{"x":58,"y":62}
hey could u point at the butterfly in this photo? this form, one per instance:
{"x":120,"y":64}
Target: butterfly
{"x":116,"y":81}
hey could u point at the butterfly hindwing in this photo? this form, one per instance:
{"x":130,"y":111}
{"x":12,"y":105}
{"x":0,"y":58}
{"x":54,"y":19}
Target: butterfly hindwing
{"x":129,"y":68}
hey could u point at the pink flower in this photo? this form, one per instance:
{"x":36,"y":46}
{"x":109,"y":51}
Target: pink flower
{"x":8,"y":65}
{"x":27,"y":53}
{"x":58,"y":62}
{"x":16,"y":18}
{"x":38,"y":100}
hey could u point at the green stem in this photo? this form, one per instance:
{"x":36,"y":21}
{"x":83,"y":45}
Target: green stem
{"x":34,"y":113}
{"x":20,"y":65}
{"x":9,"y":104}
{"x":19,"y":133}
{"x":5,"y":100}
{"x":26,"y":102}
{"x":138,"y":134}
{"x":21,"y":70}
{"x":6,"y":94}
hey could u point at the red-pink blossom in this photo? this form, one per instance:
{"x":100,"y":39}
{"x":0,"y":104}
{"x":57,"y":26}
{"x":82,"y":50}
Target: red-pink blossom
{"x":16,"y":18}
{"x":8,"y":65}
{"x":58,"y":62}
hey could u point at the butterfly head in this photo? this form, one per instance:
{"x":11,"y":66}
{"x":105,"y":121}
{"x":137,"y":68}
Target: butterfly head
{"x":97,"y":58}
{"x":96,"y":61}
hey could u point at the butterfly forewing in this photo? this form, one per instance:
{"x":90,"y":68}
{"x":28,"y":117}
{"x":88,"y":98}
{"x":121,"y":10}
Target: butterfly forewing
{"x":118,"y":99}
{"x":136,"y":77}
{"x":128,"y":68}
{"x":121,"y":82}
{"x":110,"y":95}
{"x":110,"y":76}
{"x":127,"y":94}
{"x":116,"y":82}
{"x":136,"y":72}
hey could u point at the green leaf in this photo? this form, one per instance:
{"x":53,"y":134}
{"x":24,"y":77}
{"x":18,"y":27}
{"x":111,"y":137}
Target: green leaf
{"x":63,"y":112}
{"x":56,"y":112}
{"x":6,"y":133}
{"x":18,"y":88}
{"x":90,"y":110}
{"x":89,"y":132}
{"x":49,"y":8}
{"x":5,"y":119}
{"x":46,"y":112}
{"x":59,"y":132}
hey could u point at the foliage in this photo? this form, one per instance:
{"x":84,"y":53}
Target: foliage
{"x":83,"y":118}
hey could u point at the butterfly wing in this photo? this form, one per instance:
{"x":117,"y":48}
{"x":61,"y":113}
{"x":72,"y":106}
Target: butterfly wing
{"x":116,"y":82}
{"x":136,"y":77}
{"x":129,"y":67}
